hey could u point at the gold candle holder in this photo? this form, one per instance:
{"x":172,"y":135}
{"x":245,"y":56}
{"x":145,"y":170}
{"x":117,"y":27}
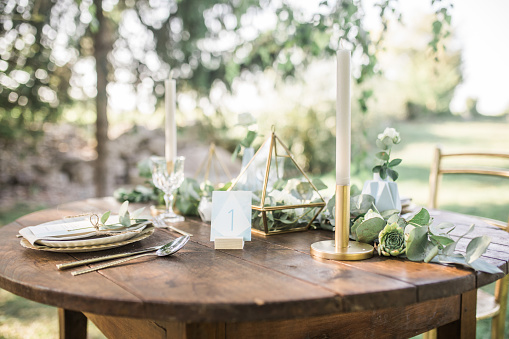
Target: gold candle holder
{"x":341,"y":248}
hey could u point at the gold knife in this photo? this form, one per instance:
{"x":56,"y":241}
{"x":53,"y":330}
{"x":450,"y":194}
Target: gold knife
{"x":106,"y":257}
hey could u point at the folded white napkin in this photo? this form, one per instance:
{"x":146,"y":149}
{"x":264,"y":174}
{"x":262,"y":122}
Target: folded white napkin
{"x":68,"y":229}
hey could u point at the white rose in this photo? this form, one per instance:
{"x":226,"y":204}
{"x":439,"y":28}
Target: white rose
{"x":392,"y":134}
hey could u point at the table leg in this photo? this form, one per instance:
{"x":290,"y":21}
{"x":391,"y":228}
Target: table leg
{"x":464,"y":327}
{"x":73,"y":325}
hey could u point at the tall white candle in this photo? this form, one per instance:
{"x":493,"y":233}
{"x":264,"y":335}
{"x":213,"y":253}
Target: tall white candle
{"x":343,"y":123}
{"x":170,"y":149}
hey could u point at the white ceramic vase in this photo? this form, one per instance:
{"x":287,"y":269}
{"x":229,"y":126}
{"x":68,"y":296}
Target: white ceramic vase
{"x":385,"y":192}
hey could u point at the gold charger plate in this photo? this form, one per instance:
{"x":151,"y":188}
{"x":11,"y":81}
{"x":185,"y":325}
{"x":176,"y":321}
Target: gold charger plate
{"x":92,"y":248}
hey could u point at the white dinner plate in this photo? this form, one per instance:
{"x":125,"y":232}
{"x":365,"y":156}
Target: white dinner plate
{"x":148,"y":231}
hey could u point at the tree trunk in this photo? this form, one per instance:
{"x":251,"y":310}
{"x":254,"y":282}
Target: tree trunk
{"x":102,"y":46}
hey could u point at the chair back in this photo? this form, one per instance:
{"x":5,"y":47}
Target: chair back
{"x":438,"y":169}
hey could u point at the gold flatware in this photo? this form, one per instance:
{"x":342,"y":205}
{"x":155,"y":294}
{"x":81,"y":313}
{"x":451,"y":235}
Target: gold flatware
{"x":168,"y":249}
{"x":106,"y":257}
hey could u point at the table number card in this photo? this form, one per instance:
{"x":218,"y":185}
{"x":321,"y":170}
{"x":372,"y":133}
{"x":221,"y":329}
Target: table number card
{"x":231,"y":216}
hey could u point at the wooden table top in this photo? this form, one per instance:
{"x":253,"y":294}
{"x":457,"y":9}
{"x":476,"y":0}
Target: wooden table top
{"x":274,"y":277}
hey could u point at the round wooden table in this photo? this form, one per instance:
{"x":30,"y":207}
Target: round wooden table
{"x":271,"y":289}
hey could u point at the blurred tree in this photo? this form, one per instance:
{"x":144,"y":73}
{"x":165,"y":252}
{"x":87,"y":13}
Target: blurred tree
{"x":43,"y":43}
{"x":33,"y":81}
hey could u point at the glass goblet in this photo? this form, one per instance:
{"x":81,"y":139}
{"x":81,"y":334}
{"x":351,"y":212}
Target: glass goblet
{"x":168,"y":177}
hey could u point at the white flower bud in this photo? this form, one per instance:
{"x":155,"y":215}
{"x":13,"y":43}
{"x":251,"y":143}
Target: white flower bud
{"x":392,"y":134}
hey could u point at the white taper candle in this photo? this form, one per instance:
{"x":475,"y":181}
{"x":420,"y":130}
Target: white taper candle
{"x":170,"y":150}
{"x":343,"y":119}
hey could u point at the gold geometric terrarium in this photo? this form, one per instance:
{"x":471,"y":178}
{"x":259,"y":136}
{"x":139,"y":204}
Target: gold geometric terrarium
{"x":284,"y":199}
{"x":212,"y":169}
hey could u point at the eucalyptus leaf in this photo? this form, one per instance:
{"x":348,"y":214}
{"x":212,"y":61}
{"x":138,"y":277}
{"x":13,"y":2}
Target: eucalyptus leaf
{"x":186,"y":207}
{"x":333,"y":220}
{"x":284,"y":221}
{"x":476,"y":247}
{"x":442,"y":228}
{"x":360,"y":204}
{"x":440,"y":240}
{"x":393,"y":219}
{"x":483,"y":266}
{"x":125,"y":219}
{"x":417,"y":243}
{"x":123,"y":209}
{"x":431,"y":254}
{"x":319,"y":184}
{"x":368,"y":230}
{"x":354,"y":190}
{"x":270,"y":223}
{"x":331,"y":204}
{"x":188,"y":197}
{"x":402,"y":222}
{"x":387,"y":214}
{"x":458,"y":259}
{"x":455,"y":258}
{"x":422,"y":218}
{"x":137,"y":213}
{"x":355,"y":225}
{"x":194,"y":194}
{"x":470,"y":229}
{"x":279,"y":184}
{"x":372,"y":214}
{"x":449,"y":249}
{"x":305,"y":190}
{"x":105,"y":217}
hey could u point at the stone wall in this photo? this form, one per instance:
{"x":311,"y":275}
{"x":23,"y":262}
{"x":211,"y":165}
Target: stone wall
{"x":60,"y":167}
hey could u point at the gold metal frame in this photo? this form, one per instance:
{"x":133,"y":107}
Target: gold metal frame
{"x":209,"y":164}
{"x":273,"y":138}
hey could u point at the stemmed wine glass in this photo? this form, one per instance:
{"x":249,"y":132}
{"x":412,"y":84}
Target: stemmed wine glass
{"x":168,"y":177}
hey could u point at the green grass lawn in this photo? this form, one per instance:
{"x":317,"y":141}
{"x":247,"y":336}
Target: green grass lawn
{"x":488,"y":197}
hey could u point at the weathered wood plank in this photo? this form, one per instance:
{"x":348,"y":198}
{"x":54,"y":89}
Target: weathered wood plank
{"x":384,"y":323}
{"x":200,"y":284}
{"x":335,"y":276}
{"x":432,"y":280}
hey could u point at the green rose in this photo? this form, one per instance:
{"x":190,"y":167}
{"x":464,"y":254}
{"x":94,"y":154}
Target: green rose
{"x":391,"y":240}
